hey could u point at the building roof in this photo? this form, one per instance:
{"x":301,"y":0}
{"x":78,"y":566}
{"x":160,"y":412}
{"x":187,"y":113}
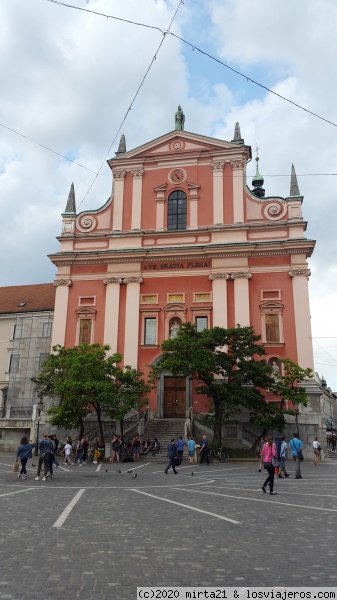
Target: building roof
{"x":27,"y":298}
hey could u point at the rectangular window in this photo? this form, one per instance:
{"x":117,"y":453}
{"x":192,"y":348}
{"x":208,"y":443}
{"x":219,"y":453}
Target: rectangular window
{"x":150,"y":331}
{"x":14,"y":363}
{"x":46,"y":329}
{"x":42,"y":359}
{"x":201,"y":323}
{"x":18,"y":331}
{"x":272,"y":328}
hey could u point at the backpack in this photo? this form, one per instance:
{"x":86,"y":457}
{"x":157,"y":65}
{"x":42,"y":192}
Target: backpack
{"x":47,"y":451}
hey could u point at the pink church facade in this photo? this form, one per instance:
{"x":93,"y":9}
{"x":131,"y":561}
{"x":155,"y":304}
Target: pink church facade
{"x":183,"y":238}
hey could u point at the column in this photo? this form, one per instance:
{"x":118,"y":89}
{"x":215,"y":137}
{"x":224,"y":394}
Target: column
{"x":111,"y":317}
{"x":241,"y":297}
{"x":193,"y":189}
{"x":218,"y":216}
{"x":60,"y":311}
{"x":160,"y":206}
{"x":300,"y":278}
{"x":118,"y":199}
{"x":219,"y":293}
{"x":131,"y":341}
{"x":137,"y":175}
{"x":238,"y":184}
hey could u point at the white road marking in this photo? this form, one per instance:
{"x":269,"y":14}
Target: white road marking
{"x":99,"y":466}
{"x":139,"y":467}
{"x":63,"y":469}
{"x":18,"y":492}
{"x":5,"y":465}
{"x":65,"y":514}
{"x":260,"y":500}
{"x":205,"y":512}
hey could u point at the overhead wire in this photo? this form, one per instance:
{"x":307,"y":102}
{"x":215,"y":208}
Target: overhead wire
{"x":326,"y":352}
{"x":154,"y":58}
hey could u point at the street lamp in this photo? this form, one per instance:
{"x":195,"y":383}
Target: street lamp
{"x":39,"y":408}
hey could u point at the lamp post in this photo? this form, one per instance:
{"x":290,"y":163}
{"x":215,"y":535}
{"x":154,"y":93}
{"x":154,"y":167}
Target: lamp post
{"x":39,"y":408}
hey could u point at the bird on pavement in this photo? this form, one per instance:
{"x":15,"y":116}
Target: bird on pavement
{"x":134,"y":476}
{"x":33,"y":465}
{"x":191,"y":473}
{"x":118,"y":470}
{"x":106,"y":470}
{"x":129,"y":471}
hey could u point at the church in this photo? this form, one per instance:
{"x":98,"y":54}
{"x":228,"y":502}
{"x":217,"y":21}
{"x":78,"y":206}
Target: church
{"x":183,"y":238}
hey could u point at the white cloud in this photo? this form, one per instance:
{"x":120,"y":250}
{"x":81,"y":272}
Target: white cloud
{"x":68,"y":78}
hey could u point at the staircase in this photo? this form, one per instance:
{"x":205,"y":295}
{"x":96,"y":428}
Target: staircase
{"x":164,"y":430}
{"x":331,"y":454}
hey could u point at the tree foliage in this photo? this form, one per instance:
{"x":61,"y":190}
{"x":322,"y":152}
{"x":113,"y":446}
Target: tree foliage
{"x":287,"y":387}
{"x":86,"y":379}
{"x":224,"y":364}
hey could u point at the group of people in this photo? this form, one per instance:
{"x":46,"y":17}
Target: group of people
{"x":175,"y":451}
{"x":138,"y":447}
{"x":272,"y":458}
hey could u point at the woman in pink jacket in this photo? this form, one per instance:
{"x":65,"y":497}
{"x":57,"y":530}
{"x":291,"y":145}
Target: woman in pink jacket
{"x":268,"y":452}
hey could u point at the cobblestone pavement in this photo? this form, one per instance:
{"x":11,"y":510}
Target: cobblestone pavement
{"x":156,"y":530}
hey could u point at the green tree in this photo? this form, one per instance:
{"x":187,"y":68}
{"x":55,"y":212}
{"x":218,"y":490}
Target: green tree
{"x":87,"y":379}
{"x":287,"y":386}
{"x":224,"y":364}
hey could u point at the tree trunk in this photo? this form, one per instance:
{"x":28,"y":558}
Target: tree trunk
{"x":258,"y":440}
{"x":81,"y":429}
{"x":217,"y":433}
{"x":122,"y":429}
{"x":100,"y":424}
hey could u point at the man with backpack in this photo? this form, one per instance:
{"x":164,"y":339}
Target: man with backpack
{"x":46,"y":455}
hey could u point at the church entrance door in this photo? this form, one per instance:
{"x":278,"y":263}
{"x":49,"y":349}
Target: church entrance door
{"x":174,"y":397}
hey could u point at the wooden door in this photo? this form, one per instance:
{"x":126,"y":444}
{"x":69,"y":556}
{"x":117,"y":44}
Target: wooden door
{"x":174,"y":397}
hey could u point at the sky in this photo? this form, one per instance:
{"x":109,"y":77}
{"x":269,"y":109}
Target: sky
{"x":69,"y":78}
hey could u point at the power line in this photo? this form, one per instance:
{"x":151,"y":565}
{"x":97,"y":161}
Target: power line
{"x":154,"y":58}
{"x":324,"y":350}
{"x":194,"y":47}
{"x":46,"y":148}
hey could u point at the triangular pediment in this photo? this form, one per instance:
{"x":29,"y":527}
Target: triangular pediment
{"x":270,"y":304}
{"x":175,"y":143}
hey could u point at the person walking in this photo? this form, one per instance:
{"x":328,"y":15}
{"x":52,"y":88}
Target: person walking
{"x":263,"y":442}
{"x":52,"y":457}
{"x":180,"y":449}
{"x":24,"y":452}
{"x":204,"y":450}
{"x":67,"y":454}
{"x":191,"y":450}
{"x":317,"y":451}
{"x":268,"y":453}
{"x":171,"y":454}
{"x":96,"y":450}
{"x":46,"y":451}
{"x":296,"y":446}
{"x":57,"y":443}
{"x":283,"y":456}
{"x":79,"y":452}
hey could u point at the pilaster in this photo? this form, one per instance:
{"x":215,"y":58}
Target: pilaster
{"x":238,"y":185}
{"x":137,"y":175}
{"x":160,"y":206}
{"x":60,"y":311}
{"x":219,"y":293}
{"x":119,"y":176}
{"x":300,"y":276}
{"x":111,"y":312}
{"x":131,"y":340}
{"x":241,"y":297}
{"x":218,"y":167}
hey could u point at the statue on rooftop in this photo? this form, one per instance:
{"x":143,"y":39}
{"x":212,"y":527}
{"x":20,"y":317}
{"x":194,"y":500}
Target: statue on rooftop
{"x":179,"y":119}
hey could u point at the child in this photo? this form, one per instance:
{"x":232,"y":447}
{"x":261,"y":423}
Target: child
{"x":67,"y":454}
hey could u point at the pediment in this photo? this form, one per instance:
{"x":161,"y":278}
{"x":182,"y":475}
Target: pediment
{"x":86,"y":311}
{"x":175,"y":143}
{"x":269,"y":305}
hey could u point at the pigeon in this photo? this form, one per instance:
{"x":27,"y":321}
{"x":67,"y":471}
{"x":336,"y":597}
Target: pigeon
{"x":118,"y":470}
{"x":33,"y":465}
{"x":134,"y":476}
{"x":106,"y":470}
{"x":129,"y":471}
{"x":191,"y":473}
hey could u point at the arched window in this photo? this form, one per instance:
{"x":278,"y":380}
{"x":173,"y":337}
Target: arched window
{"x":177,"y":210}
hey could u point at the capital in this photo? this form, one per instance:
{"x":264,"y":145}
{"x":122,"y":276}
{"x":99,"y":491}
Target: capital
{"x":118,"y":175}
{"x":218,"y":165}
{"x":237,"y":164}
{"x":241,"y":275}
{"x":300,"y":272}
{"x":137,"y":173}
{"x":127,"y":280}
{"x":66,"y":282}
{"x":112,"y":280}
{"x":214,"y":276}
